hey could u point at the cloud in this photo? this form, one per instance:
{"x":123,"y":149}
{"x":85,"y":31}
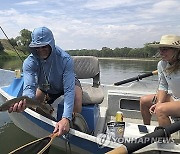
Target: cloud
{"x":9,"y":12}
{"x":94,"y":23}
{"x":107,"y":4}
{"x":27,"y":3}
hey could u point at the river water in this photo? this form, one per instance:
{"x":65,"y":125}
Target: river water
{"x":112,"y":70}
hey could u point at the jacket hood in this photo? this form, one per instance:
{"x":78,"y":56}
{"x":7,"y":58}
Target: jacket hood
{"x":41,"y":36}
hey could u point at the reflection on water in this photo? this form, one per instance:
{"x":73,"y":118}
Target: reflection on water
{"x":12,"y":137}
{"x":6,"y":77}
{"x":112,"y":70}
{"x":4,"y":118}
{"x":128,"y":65}
{"x":117,"y":70}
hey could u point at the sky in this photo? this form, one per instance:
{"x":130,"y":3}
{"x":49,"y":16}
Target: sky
{"x":93,"y":24}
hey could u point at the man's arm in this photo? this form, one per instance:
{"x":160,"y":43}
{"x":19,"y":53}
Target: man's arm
{"x":69,"y":92}
{"x":30,"y":81}
{"x":69,"y":89}
{"x":29,"y":88}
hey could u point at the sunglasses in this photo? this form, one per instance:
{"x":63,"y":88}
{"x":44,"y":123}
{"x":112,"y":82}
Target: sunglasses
{"x":43,"y":47}
{"x":165,"y":49}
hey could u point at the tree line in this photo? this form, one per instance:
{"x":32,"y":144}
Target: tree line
{"x":21,"y":43}
{"x":145,"y":52}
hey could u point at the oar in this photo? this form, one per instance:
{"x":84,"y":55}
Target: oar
{"x":36,"y":147}
{"x":146,"y":139}
{"x":139,"y":77}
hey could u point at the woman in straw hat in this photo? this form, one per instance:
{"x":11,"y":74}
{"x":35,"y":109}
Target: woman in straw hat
{"x":166,"y":102}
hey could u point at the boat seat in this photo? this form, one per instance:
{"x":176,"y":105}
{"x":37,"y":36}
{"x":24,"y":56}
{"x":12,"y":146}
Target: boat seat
{"x":87,"y":67}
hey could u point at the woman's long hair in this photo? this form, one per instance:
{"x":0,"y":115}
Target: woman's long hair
{"x":175,"y":66}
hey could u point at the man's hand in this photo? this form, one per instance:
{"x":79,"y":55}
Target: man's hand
{"x":18,"y":107}
{"x":62,"y":126}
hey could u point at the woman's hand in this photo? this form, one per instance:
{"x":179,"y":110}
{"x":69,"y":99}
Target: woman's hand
{"x":152,"y":109}
{"x":62,"y":127}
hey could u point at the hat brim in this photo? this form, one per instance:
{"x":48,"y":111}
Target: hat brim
{"x":33,"y":45}
{"x":163,"y":45}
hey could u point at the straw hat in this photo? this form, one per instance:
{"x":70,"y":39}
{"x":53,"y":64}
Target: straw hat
{"x":168,"y":41}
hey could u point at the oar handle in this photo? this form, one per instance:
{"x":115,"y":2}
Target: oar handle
{"x":155,"y":72}
{"x":53,"y":135}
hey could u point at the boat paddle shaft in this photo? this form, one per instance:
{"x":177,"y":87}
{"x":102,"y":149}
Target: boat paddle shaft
{"x":139,"y":77}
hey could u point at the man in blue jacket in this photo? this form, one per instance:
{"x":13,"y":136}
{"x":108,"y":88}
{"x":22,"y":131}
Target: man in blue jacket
{"x":49,"y":71}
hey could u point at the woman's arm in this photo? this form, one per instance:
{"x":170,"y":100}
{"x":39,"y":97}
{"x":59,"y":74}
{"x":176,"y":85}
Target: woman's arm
{"x":161,"y":96}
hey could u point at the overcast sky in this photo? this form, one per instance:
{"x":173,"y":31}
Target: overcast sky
{"x":93,"y":24}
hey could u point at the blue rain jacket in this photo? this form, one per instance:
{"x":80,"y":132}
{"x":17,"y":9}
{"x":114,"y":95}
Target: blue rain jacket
{"x":57,"y":68}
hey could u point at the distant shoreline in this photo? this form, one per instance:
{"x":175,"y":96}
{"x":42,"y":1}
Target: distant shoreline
{"x":15,"y":56}
{"x":135,"y":59}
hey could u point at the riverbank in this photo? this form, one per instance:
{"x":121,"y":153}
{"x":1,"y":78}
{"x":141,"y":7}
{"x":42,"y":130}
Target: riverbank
{"x":134,"y":59}
{"x":13,"y":55}
{"x":8,"y":54}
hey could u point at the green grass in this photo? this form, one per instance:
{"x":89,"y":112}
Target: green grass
{"x":6,"y":44}
{"x":11,"y":54}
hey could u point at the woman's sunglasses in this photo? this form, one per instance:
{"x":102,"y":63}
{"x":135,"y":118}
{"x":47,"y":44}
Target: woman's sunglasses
{"x":164,"y":49}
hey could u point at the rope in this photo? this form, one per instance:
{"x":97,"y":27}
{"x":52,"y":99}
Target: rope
{"x":67,"y":143}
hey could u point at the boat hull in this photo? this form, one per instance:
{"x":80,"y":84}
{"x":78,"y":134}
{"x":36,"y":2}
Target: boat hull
{"x":39,"y":126}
